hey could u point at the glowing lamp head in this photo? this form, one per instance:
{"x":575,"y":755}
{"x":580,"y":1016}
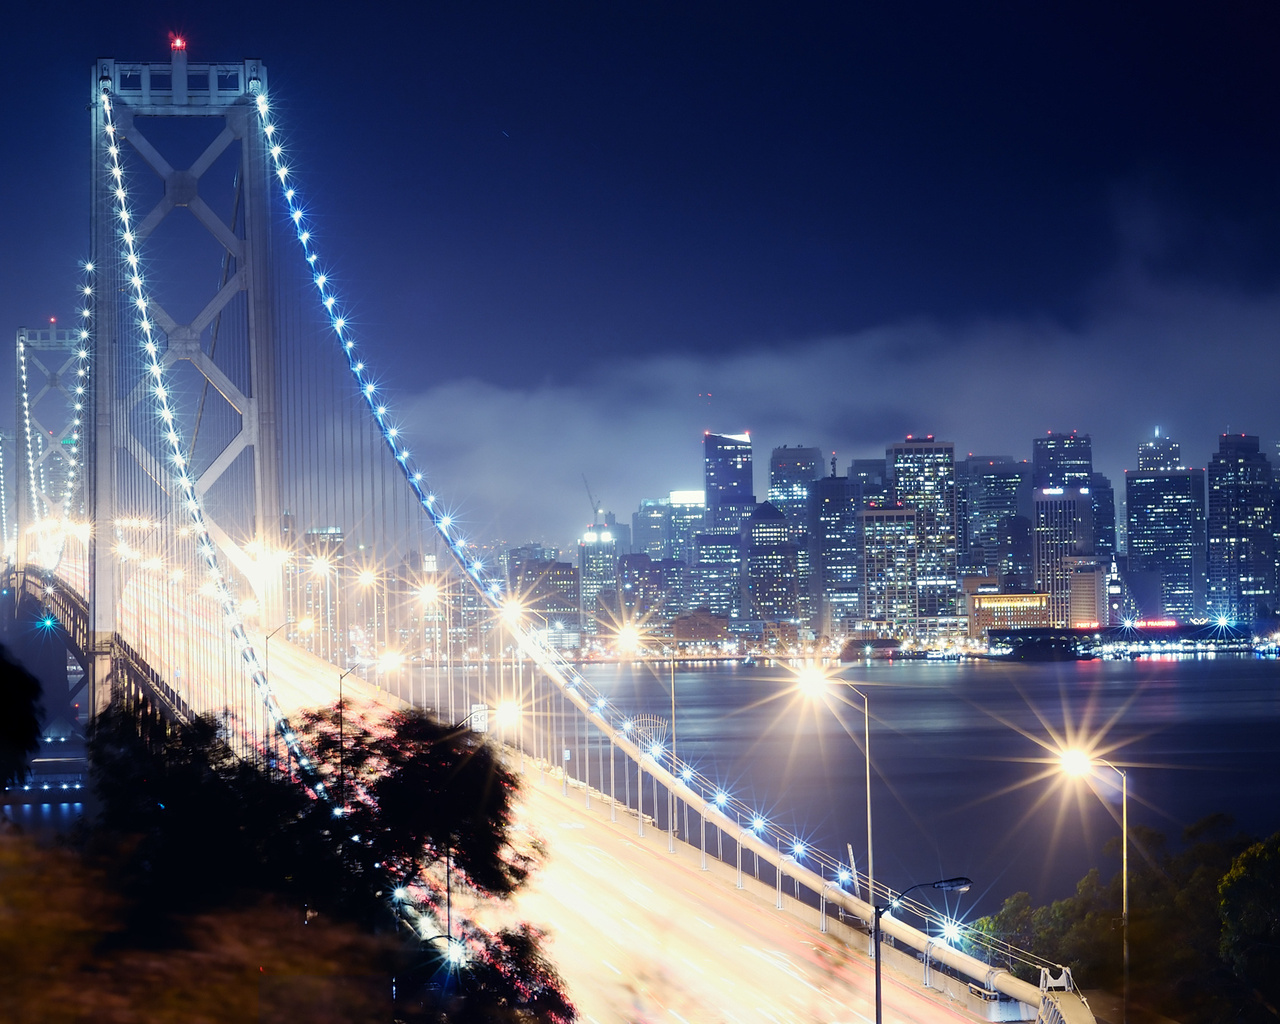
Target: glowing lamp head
{"x":1223,"y":620}
{"x":306,"y":625}
{"x":508,"y":713}
{"x":628,"y":639}
{"x":721,"y":798}
{"x":757,"y":824}
{"x":1076,"y":763}
{"x":812,"y":681}
{"x":950,"y":931}
{"x":797,"y":849}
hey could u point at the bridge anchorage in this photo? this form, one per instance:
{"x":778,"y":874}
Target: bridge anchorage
{"x":224,"y":516}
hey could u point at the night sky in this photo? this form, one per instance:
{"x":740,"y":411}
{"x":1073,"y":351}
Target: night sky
{"x":581,"y":234}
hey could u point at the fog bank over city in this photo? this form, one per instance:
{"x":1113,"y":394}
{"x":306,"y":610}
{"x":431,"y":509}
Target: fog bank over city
{"x":512,"y":459}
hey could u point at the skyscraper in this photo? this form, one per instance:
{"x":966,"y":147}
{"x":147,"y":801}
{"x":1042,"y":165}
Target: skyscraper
{"x":890,"y":600}
{"x":770,"y":584}
{"x":1062,"y":527}
{"x":1061,"y":460}
{"x":999,"y":532}
{"x":1242,"y":566}
{"x":791,"y":475}
{"x":835,"y":555}
{"x":924,"y":479}
{"x":730,"y":491}
{"x":1159,"y":453}
{"x":792,"y":472}
{"x":597,"y":569}
{"x":1166,"y":527}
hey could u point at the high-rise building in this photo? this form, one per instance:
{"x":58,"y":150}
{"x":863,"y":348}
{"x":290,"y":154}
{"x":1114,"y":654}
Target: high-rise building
{"x":1165,"y":512}
{"x":770,"y":580}
{"x":890,"y":599}
{"x":688,"y":519}
{"x":999,"y":533}
{"x":715,"y":577}
{"x":872,"y":478}
{"x":1159,"y":453}
{"x":1104,"y":515}
{"x":924,"y":479}
{"x":1061,"y":460}
{"x":730,"y":491}
{"x":651,"y":528}
{"x":835,"y":555}
{"x":597,"y":569}
{"x":1062,"y":527}
{"x":792,"y":472}
{"x":1242,"y":565}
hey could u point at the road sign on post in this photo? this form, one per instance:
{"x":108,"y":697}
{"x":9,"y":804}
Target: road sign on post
{"x":479,"y":717}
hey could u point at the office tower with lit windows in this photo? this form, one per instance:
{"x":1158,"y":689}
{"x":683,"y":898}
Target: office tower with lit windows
{"x":1062,"y":530}
{"x":715,"y":576}
{"x":1104,"y":515}
{"x":792,"y":472}
{"x":835,"y":555}
{"x":1061,"y":460}
{"x":890,"y":598}
{"x":770,"y":576}
{"x":687,"y":519}
{"x":730,"y":491}
{"x":1166,"y":527}
{"x":651,"y":528}
{"x":998,"y":496}
{"x":924,"y":479}
{"x":1158,"y":454}
{"x":597,"y":569}
{"x":1242,"y":565}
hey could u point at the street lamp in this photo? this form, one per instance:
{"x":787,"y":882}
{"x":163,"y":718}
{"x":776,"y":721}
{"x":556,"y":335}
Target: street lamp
{"x":959,"y":884}
{"x":342,"y":746}
{"x":1080,"y":764}
{"x":813,"y":681}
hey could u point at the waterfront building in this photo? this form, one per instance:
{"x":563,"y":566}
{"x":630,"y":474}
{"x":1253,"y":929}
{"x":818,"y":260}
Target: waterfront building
{"x":597,"y":570}
{"x":715,"y":577}
{"x":1167,"y":530}
{"x":770,"y":579}
{"x":1241,"y":560}
{"x":792,"y":472}
{"x":890,"y":599}
{"x":835,"y":555}
{"x":1007,"y":611}
{"x":924,"y":479}
{"x":1062,"y":527}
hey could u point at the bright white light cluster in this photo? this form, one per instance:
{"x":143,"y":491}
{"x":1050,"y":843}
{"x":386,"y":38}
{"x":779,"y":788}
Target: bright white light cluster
{"x":178,"y":456}
{"x":80,"y":389}
{"x":32,"y":482}
{"x":589,"y":700}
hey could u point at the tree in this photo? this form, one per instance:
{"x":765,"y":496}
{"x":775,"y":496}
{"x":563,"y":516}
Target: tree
{"x":1250,"y":913}
{"x":20,"y":713}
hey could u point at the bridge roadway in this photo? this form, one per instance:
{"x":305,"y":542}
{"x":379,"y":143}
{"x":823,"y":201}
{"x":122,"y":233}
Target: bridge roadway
{"x":640,"y":934}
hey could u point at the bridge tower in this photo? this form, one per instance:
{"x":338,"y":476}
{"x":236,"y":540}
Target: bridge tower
{"x":224,"y":341}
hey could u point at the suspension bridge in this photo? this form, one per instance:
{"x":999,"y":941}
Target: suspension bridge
{"x":216,"y":508}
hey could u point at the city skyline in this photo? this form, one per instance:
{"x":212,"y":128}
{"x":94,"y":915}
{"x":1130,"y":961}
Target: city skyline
{"x":576,"y":238}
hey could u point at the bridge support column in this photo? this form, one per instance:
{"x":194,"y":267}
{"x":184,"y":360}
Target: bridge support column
{"x":101,"y":674}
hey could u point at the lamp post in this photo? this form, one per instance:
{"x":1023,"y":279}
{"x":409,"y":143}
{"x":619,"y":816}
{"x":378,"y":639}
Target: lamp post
{"x":814,"y":682}
{"x":342,"y":746}
{"x":959,"y":884}
{"x":1080,"y":764}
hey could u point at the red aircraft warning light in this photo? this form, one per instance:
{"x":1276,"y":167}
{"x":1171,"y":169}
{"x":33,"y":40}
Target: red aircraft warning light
{"x":177,"y":42}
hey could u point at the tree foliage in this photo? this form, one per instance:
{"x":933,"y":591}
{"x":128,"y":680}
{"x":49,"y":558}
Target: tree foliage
{"x":205,"y":830}
{"x":1174,"y":926}
{"x":19,"y":720}
{"x":1250,"y":913}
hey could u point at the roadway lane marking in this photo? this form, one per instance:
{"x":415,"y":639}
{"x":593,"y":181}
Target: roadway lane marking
{"x":612,"y":968}
{"x":707,"y":923}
